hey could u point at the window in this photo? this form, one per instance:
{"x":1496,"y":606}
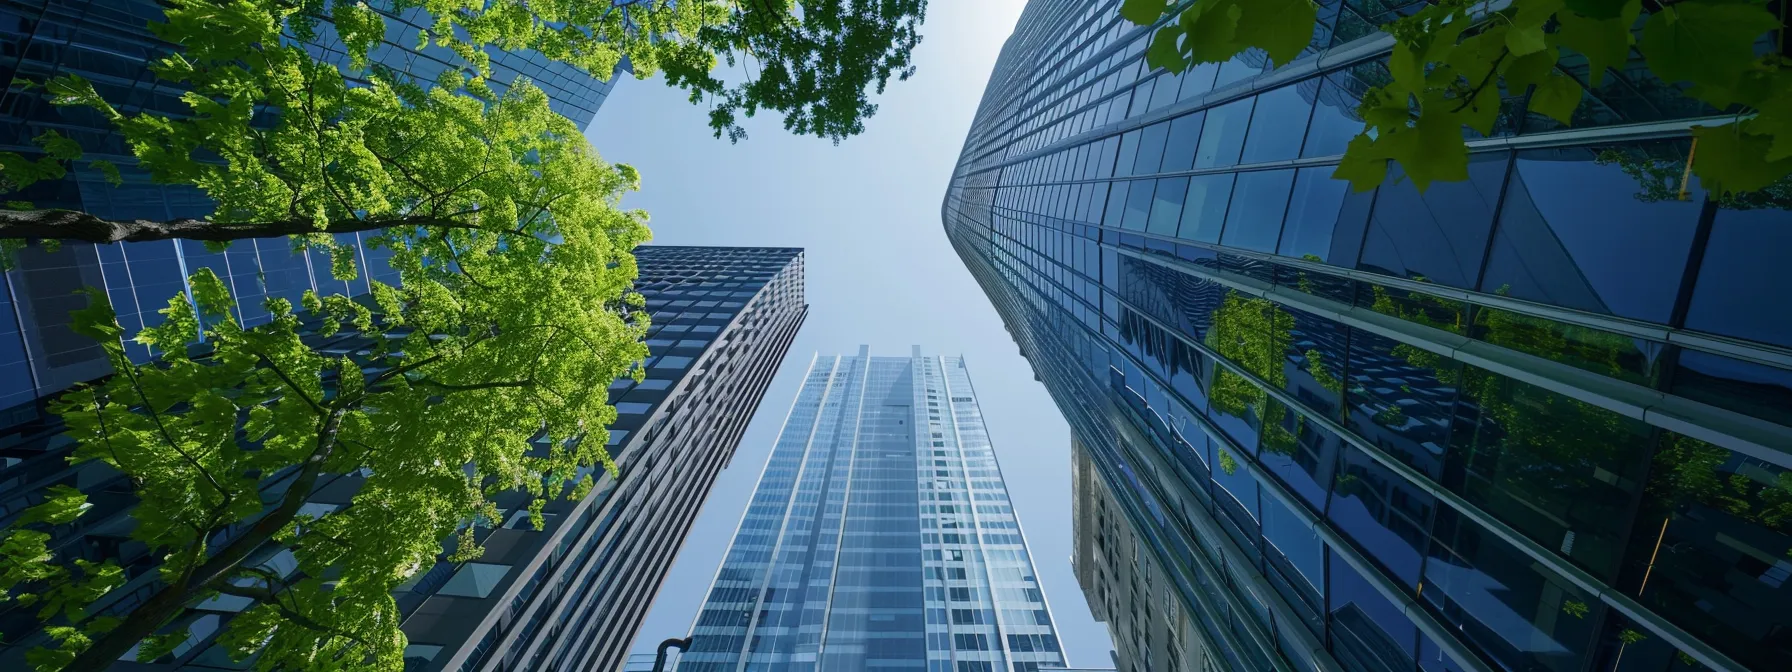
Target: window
{"x":1254,"y":221}
{"x":672,"y":362}
{"x":1151,"y":148}
{"x":1222,"y":136}
{"x":1278,"y":115}
{"x":1184,"y":135}
{"x":1166,"y":206}
{"x":1325,"y":218}
{"x":1204,"y":208}
{"x":1441,"y":235}
{"x":632,"y":408}
{"x":1744,"y":263}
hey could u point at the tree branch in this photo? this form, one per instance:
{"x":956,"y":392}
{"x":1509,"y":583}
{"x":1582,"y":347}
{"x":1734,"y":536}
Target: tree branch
{"x":90,"y":228}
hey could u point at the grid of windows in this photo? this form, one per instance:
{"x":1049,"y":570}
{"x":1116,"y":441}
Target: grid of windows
{"x":1536,"y":419}
{"x":862,"y":545}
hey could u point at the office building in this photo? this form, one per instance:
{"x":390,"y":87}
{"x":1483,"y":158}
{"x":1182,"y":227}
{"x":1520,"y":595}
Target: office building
{"x":568,"y":597}
{"x":1537,"y":419}
{"x":880,"y":536}
{"x":1125,"y":585}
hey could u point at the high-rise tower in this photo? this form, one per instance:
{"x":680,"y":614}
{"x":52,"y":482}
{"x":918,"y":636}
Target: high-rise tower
{"x":1537,"y":419}
{"x":880,"y":536}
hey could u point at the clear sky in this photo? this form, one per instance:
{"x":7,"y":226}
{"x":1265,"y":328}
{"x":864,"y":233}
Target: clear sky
{"x":880,"y":272}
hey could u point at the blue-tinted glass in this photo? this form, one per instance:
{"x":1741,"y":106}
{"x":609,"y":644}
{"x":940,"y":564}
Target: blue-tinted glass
{"x":1116,"y":204}
{"x":1204,"y":210}
{"x":1296,"y":543}
{"x":1240,"y":67}
{"x":1185,"y":135}
{"x":1197,"y":80}
{"x":1385,"y":515}
{"x":1335,"y":120}
{"x":1575,"y":231}
{"x":1166,"y":205}
{"x":1502,"y":602}
{"x":1104,"y":164}
{"x":1433,"y":659}
{"x":1165,"y":91}
{"x":1259,"y":199}
{"x":1151,"y":148}
{"x":1714,"y":549}
{"x":1308,"y":462}
{"x":1325,"y":219}
{"x":1745,"y":387}
{"x":1369,"y":634}
{"x":1401,"y":398}
{"x":1138,"y":205}
{"x":1141,"y":99}
{"x":1559,"y":469}
{"x":1744,"y":261}
{"x":1279,"y":122}
{"x":1439,"y":236}
{"x":1129,"y":152}
{"x":1222,"y":134}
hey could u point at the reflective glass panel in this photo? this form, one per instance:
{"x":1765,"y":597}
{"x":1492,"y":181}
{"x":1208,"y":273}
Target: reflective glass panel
{"x":1745,"y":261}
{"x":1204,"y":210}
{"x":1278,"y":123}
{"x":1222,"y":135}
{"x":1259,"y":199}
{"x":1185,"y":135}
{"x":1439,"y":236}
{"x":1369,"y":634}
{"x":1166,"y":205}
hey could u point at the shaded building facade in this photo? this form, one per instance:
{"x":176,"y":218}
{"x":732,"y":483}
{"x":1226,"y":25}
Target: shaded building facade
{"x":568,"y":597}
{"x":1537,"y":419}
{"x":880,"y":537}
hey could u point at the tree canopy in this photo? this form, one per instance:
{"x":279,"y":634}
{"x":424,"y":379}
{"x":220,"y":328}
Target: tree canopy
{"x":811,"y":60}
{"x":1451,"y":59}
{"x":482,"y":372}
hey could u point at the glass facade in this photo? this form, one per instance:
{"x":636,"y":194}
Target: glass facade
{"x":570,"y":596}
{"x":880,"y":537}
{"x":1533,"y":420}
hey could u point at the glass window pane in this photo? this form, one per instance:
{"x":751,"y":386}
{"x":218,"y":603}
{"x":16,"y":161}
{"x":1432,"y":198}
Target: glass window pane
{"x":1745,"y":262}
{"x":1384,"y":514}
{"x":1325,"y":219}
{"x":1198,"y":80}
{"x":1577,"y":231}
{"x":1369,"y":634}
{"x":1503,"y":603}
{"x":1254,"y":222}
{"x":1104,"y":164}
{"x":1335,"y":120}
{"x":1165,"y":91}
{"x":1222,"y":134}
{"x":1439,"y":236}
{"x":1129,"y":152}
{"x":1116,"y":204}
{"x":1307,"y":464}
{"x":1185,"y":134}
{"x":1138,"y":205}
{"x":1560,"y":470}
{"x":1151,"y":148}
{"x":1401,"y":398}
{"x":1166,"y":206}
{"x":1715,"y":541}
{"x":1204,"y":210}
{"x":1141,"y":99}
{"x":1277,"y":123}
{"x":1745,"y":387}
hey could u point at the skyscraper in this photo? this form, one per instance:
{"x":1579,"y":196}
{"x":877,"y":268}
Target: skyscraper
{"x":567,"y":597}
{"x":1536,"y":419}
{"x":880,"y":536}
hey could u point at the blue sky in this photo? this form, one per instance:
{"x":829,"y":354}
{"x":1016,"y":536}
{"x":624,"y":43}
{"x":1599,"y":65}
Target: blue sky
{"x":880,"y":272}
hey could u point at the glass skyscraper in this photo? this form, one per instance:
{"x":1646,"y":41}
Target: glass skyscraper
{"x":1540,"y":419}
{"x":570,"y":596}
{"x":880,"y":537}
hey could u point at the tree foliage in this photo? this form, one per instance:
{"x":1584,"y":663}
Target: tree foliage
{"x":811,"y":60}
{"x":480,"y":373}
{"x":1452,"y":59}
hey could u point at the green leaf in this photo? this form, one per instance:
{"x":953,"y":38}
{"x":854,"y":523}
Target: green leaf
{"x":1556,"y":97}
{"x":1605,"y":42}
{"x":1283,"y":28}
{"x":1363,"y":166}
{"x":62,"y":505}
{"x":1211,"y":27}
{"x":1143,"y":12}
{"x":108,"y":169}
{"x":1524,"y":40}
{"x":1529,"y":70}
{"x":58,"y":146}
{"x":97,"y":321}
{"x":1602,"y":9}
{"x":1709,"y":44}
{"x":1163,"y":52}
{"x":1729,"y":159}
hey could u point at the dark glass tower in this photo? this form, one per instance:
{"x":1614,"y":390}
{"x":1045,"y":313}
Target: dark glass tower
{"x":880,"y":537}
{"x":568,"y":597}
{"x":1539,"y":419}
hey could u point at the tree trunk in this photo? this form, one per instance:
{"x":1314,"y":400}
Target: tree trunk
{"x":168,"y":602}
{"x":86,"y":227}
